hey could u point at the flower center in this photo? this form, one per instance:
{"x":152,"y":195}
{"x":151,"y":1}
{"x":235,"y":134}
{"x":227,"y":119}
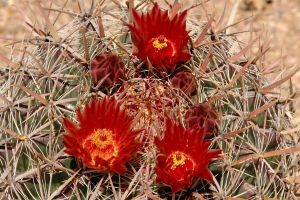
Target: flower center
{"x":102,"y":138}
{"x":160,"y":42}
{"x":178,"y":159}
{"x":101,"y":144}
{"x":179,"y":165}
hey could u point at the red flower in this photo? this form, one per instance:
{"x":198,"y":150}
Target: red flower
{"x":107,"y":66}
{"x":185,"y":81}
{"x":160,"y":39}
{"x":202,"y":115}
{"x":183,"y":155}
{"x":103,"y":140}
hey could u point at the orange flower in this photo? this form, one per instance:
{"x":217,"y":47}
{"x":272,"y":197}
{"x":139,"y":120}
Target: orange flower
{"x":183,"y":155}
{"x":104,"y":139}
{"x":160,"y":39}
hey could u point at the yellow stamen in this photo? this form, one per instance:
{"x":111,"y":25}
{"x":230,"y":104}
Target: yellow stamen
{"x":105,"y":143}
{"x":160,"y":43}
{"x":178,"y":160}
{"x":102,"y":138}
{"x":23,"y":137}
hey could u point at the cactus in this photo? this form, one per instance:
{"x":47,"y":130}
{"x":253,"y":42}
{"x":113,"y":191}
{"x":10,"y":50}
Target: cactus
{"x":49,"y":77}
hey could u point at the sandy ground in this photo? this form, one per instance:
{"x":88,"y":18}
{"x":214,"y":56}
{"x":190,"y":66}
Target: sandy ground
{"x":279,"y":18}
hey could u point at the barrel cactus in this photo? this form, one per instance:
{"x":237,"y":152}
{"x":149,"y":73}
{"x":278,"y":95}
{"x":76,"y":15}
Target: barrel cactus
{"x":138,"y":100}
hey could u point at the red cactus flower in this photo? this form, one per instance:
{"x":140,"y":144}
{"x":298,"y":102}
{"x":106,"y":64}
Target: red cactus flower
{"x":104,"y":139}
{"x":107,"y":66}
{"x":202,"y":115}
{"x":160,"y":39}
{"x":185,"y":81}
{"x":183,"y":155}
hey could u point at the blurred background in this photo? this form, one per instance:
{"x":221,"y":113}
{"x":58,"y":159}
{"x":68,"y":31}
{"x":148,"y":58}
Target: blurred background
{"x":279,"y":19}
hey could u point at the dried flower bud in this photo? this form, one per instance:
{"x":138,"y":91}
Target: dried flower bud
{"x":202,"y":115}
{"x":107,"y":65}
{"x":185,"y":81}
